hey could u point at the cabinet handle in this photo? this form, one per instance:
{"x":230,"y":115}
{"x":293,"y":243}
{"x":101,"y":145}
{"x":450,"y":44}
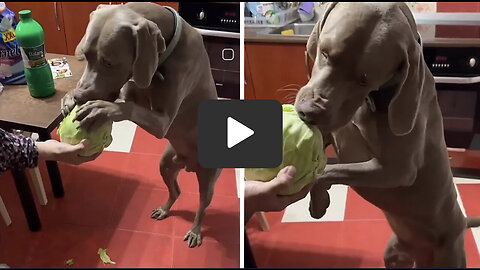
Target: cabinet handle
{"x":56,"y":15}
{"x":307,"y":66}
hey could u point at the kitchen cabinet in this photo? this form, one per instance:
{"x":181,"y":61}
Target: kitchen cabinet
{"x":75,"y":17}
{"x":274,"y":70}
{"x":249,"y":92}
{"x":64,"y":23}
{"x":50,"y":16}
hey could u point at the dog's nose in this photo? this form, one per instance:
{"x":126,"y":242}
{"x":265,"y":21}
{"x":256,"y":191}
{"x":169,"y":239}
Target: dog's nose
{"x":310,"y":112}
{"x":79,"y":97}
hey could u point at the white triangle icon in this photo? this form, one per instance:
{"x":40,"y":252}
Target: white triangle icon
{"x":236,"y":132}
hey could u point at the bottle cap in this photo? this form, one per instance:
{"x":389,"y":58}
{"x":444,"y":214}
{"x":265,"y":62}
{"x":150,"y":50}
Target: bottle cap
{"x":25,"y":14}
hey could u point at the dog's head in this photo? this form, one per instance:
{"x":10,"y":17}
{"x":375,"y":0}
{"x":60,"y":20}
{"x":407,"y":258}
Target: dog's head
{"x":118,"y":45}
{"x":359,"y":48}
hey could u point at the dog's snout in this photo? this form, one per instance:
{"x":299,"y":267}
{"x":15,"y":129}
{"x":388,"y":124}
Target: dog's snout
{"x":310,"y":112}
{"x":80,"y":96}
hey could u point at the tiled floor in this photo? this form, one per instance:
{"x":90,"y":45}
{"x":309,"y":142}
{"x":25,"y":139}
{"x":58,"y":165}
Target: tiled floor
{"x":352,"y":234}
{"x":107,"y":204}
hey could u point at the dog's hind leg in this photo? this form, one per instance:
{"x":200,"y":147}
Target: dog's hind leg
{"x":206,"y":182}
{"x":451,"y":255}
{"x":169,"y":172}
{"x":395,"y":255}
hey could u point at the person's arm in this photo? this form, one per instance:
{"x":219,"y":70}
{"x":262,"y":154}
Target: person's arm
{"x":263,"y":196}
{"x":55,"y":150}
{"x":17,"y":152}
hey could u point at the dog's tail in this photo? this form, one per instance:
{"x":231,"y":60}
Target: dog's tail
{"x":473,"y":222}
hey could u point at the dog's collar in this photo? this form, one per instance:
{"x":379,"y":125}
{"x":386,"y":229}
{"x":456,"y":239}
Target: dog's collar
{"x":176,"y":36}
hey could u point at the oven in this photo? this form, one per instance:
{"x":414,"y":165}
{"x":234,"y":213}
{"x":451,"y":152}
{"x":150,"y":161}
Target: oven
{"x":219,"y":24}
{"x":456,"y":69}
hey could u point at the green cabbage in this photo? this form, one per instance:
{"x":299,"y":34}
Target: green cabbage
{"x":71,"y":134}
{"x":302,"y":148}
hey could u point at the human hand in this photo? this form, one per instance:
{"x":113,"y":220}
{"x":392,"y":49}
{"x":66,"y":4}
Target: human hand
{"x":55,"y":150}
{"x":263,"y":196}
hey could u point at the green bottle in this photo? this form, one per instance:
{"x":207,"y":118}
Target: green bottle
{"x":31,"y":39}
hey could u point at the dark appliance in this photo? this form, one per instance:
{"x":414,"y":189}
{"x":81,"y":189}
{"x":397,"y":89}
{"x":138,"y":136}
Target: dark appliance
{"x":219,"y":24}
{"x":456,"y":69}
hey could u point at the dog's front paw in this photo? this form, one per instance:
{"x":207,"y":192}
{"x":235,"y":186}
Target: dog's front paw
{"x":193,"y":238}
{"x":159,"y":213}
{"x":67,"y":104}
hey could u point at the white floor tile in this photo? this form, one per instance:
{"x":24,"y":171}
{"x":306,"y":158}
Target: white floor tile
{"x":123,"y":133}
{"x":239,"y":177}
{"x":298,"y":212}
{"x":461,"y":180}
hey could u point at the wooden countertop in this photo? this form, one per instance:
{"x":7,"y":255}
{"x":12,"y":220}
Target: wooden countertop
{"x":20,"y":110}
{"x":257,"y":35}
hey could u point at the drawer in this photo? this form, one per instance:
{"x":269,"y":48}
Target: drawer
{"x":227,"y":83}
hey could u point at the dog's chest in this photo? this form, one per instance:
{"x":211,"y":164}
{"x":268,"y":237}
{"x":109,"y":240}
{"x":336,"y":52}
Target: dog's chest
{"x":358,"y":141}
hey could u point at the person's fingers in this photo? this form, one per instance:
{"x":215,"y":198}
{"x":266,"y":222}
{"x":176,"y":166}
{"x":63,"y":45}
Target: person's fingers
{"x":83,"y":159}
{"x":284,"y":178}
{"x":84,"y":144}
{"x":289,"y":199}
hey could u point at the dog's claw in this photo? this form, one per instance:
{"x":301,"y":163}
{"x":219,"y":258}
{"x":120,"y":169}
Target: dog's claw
{"x":67,"y":104}
{"x":193,"y":239}
{"x":159,"y":213}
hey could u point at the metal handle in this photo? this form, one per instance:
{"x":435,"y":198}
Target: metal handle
{"x":307,"y":66}
{"x":457,"y":80}
{"x":223,"y":54}
{"x":219,"y":84}
{"x":56,"y":15}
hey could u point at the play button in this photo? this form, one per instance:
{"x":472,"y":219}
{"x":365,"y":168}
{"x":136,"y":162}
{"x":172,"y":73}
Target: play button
{"x":237,"y":132}
{"x":240,"y":134}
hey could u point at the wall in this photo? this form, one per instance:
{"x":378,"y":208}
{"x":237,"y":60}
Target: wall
{"x":451,"y":31}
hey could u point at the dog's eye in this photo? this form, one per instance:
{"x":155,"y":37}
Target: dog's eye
{"x":363,"y":79}
{"x":325,"y":54}
{"x":106,"y":63}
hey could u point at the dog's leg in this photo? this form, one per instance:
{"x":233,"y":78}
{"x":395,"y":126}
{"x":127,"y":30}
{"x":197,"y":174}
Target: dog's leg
{"x":451,"y":255}
{"x":395,"y":256}
{"x":206,"y":182}
{"x":169,"y":171}
{"x":319,"y":200}
{"x":369,"y":174}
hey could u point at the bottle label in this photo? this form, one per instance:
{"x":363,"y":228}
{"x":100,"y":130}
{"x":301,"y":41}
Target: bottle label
{"x":8,"y":35}
{"x":34,"y":57}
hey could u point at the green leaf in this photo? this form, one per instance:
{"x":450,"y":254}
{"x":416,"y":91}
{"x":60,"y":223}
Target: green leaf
{"x":104,"y":257}
{"x":69,"y":262}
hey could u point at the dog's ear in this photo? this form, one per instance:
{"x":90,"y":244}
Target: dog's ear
{"x":149,"y":44}
{"x":79,"y":50}
{"x":404,"y":106}
{"x":312,"y":43}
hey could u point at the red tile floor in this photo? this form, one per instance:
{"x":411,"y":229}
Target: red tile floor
{"x":107,"y":204}
{"x":356,"y":242}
